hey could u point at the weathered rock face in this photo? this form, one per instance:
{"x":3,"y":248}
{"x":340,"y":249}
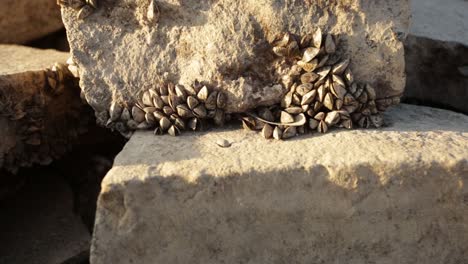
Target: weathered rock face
{"x":24,"y":20}
{"x":437,"y":55}
{"x":122,"y":52}
{"x":37,"y":123}
{"x":396,"y":195}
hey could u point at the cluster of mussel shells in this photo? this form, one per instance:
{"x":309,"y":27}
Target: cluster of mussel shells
{"x":322,"y":92}
{"x":170,"y":109}
{"x":84,"y":7}
{"x":57,"y":77}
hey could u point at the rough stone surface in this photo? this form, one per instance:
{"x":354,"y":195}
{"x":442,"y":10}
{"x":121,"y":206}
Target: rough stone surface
{"x":121,"y":53}
{"x":24,"y":20}
{"x":36,"y":124}
{"x":437,"y":55}
{"x":395,"y":195}
{"x":39,"y":226}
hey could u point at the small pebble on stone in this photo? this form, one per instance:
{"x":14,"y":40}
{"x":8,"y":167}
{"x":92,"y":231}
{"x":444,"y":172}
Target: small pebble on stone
{"x":223,"y":143}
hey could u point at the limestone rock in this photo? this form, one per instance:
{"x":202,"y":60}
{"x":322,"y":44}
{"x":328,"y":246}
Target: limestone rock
{"x":121,"y":52}
{"x":437,"y":55}
{"x":395,"y":195}
{"x":37,"y":124}
{"x":24,"y":20}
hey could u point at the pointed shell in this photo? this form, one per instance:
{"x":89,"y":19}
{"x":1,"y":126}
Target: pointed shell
{"x":322,"y":127}
{"x":146,"y":99}
{"x":184,"y":111}
{"x":304,"y":88}
{"x":317,"y":38}
{"x":193,"y":123}
{"x":328,"y":102}
{"x":323,"y":72}
{"x":85,"y":12}
{"x":340,"y":67}
{"x":115,"y":111}
{"x":138,"y":114}
{"x":92,"y":3}
{"x":332,"y":118}
{"x":280,"y":51}
{"x":308,"y":66}
{"x":286,"y":117}
{"x":310,"y":54}
{"x":286,"y":101}
{"x":200,"y":111}
{"x":173,"y":131}
{"x":313,"y":124}
{"x":165,"y":123}
{"x":277,"y":133}
{"x":289,"y":132}
{"x":309,"y":77}
{"x":192,"y":102}
{"x":309,"y":97}
{"x":267,"y":131}
{"x":319,"y":116}
{"x":338,"y":90}
{"x":203,"y":94}
{"x":150,"y":119}
{"x":294,"y":110}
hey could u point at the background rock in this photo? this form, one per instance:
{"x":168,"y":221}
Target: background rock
{"x":39,"y":225}
{"x":121,"y":53}
{"x":37,"y":124}
{"x":24,"y":20}
{"x":394,"y":195}
{"x":437,"y":55}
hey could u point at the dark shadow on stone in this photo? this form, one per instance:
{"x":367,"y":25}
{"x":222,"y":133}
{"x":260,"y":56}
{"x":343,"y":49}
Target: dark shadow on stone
{"x":433,"y":75}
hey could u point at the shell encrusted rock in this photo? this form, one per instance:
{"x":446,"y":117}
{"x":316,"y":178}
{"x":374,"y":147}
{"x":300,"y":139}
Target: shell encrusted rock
{"x":124,"y":48}
{"x":322,"y":93}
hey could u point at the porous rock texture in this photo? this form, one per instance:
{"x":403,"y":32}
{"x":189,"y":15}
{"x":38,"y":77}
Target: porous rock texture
{"x":121,"y":52}
{"x":24,"y":20}
{"x":37,"y":124}
{"x":437,"y":55}
{"x":393,"y":195}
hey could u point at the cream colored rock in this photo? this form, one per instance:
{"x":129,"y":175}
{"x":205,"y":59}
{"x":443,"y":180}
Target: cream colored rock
{"x":394,"y":195}
{"x":226,"y":43}
{"x":37,"y":123}
{"x":25,"y":20}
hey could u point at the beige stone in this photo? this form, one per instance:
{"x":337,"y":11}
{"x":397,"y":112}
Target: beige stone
{"x":37,"y":124}
{"x":121,"y":53}
{"x":394,"y":195}
{"x":25,"y":20}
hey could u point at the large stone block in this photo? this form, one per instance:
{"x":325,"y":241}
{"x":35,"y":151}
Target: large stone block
{"x":121,"y":51}
{"x":437,"y":55}
{"x":395,"y":195}
{"x":24,"y":20}
{"x":37,"y":123}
